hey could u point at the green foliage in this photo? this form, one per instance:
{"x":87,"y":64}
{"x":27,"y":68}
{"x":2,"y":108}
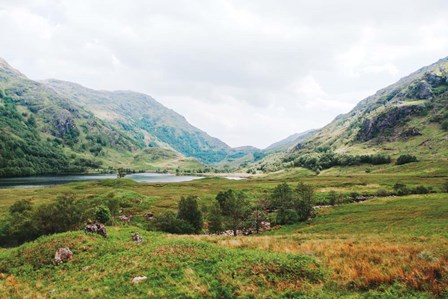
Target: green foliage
{"x":304,"y":203}
{"x":215,"y":219}
{"x":189,"y":211}
{"x":235,"y":209}
{"x":102,"y":214}
{"x":406,"y":158}
{"x":401,"y":189}
{"x":332,"y":197}
{"x":325,"y":158}
{"x":170,"y":223}
{"x":292,"y":205}
{"x":121,"y":173}
{"x":287,"y":216}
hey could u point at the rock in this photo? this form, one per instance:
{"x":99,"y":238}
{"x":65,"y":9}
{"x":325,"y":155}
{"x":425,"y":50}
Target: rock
{"x":138,"y":279}
{"x":433,"y":79}
{"x":136,"y":237}
{"x":63,"y":255}
{"x":384,"y":123}
{"x":411,"y":132}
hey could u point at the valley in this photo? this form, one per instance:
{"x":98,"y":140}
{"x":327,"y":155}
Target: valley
{"x":356,"y":209}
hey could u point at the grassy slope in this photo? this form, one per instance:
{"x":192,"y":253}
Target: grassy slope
{"x":395,"y":247}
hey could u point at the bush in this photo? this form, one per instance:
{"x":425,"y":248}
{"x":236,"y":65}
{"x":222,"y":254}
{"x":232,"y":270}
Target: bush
{"x":382,"y":193}
{"x":403,"y":159}
{"x":102,"y":214}
{"x":445,"y":187}
{"x":401,"y":189}
{"x":189,"y":211}
{"x":168,"y":222}
{"x":287,"y":216}
{"x":421,"y":190}
{"x":332,"y":198}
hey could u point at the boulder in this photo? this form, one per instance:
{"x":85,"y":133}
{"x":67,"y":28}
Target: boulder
{"x":63,"y":255}
{"x":138,"y":279}
{"x":136,"y":237}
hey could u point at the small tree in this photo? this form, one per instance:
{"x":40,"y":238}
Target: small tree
{"x":189,"y":211}
{"x":282,"y":197}
{"x":305,"y":201}
{"x":102,"y":214}
{"x":168,"y":222}
{"x":121,"y":173}
{"x":235,"y":209}
{"x":215,"y":219}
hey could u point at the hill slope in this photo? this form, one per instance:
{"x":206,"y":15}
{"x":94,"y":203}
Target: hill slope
{"x":44,"y":132}
{"x":408,"y":117}
{"x":148,"y":121}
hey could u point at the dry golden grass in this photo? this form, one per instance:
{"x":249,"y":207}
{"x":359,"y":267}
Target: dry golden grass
{"x":420,"y":263}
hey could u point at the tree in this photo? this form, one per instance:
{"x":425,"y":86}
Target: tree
{"x":235,"y":208}
{"x":215,"y":219}
{"x":102,"y":214}
{"x":304,"y":203}
{"x":189,"y":211}
{"x":404,"y":159}
{"x":121,"y":173}
{"x":282,"y":197}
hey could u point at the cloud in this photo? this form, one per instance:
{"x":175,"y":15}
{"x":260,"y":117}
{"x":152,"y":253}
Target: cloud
{"x":248,"y":72}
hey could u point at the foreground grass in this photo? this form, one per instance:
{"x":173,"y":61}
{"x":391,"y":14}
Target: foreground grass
{"x":394,"y":247}
{"x":176,"y":268}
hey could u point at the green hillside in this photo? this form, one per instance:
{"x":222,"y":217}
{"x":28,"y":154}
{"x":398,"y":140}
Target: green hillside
{"x":410,"y":116}
{"x":149,"y":122}
{"x":43,"y":132}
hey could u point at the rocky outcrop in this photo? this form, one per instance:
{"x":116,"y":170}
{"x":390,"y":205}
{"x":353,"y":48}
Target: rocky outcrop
{"x":385,"y":123}
{"x":64,"y":123}
{"x":62,"y":255}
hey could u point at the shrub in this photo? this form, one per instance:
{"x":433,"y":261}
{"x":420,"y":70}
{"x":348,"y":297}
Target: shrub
{"x":403,"y":159}
{"x":382,"y":193}
{"x":332,"y":198}
{"x":102,"y":214}
{"x":189,"y":211}
{"x":168,"y":222}
{"x":287,"y":216}
{"x":401,"y":189}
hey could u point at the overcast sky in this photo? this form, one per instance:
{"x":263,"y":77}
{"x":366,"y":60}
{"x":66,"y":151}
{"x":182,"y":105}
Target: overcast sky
{"x":247,"y":72}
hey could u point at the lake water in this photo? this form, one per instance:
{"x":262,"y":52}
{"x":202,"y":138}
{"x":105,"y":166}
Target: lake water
{"x":46,"y":181}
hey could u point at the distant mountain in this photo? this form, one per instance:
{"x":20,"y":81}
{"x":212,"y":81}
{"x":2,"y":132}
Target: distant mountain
{"x":408,"y":117}
{"x":148,"y":121}
{"x":289,"y":142}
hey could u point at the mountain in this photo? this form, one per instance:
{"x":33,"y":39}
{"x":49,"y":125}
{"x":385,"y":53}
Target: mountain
{"x":407,"y":117}
{"x":43,"y":131}
{"x":289,"y":142}
{"x":149,"y":122}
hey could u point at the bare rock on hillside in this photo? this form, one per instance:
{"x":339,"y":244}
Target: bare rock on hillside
{"x":62,"y":255}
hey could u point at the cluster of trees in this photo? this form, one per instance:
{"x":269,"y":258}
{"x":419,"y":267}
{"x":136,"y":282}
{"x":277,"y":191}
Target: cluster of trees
{"x":401,"y":189}
{"x":404,"y":159}
{"x":187,"y":220}
{"x":233,"y":211}
{"x":326,"y":158}
{"x":292,"y":205}
{"x":26,"y":221}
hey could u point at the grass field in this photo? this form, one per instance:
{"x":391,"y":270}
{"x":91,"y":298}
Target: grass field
{"x":385,"y":247}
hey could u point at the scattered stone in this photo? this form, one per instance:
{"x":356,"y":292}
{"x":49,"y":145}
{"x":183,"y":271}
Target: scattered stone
{"x":136,"y":237}
{"x":63,"y":255}
{"x":96,"y":228}
{"x":138,"y":279}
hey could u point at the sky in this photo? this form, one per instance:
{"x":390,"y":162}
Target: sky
{"x":249,"y":72}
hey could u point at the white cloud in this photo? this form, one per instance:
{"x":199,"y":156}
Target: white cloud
{"x":248,"y":72}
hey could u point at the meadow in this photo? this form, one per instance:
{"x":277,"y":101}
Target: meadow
{"x":384,"y":247}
